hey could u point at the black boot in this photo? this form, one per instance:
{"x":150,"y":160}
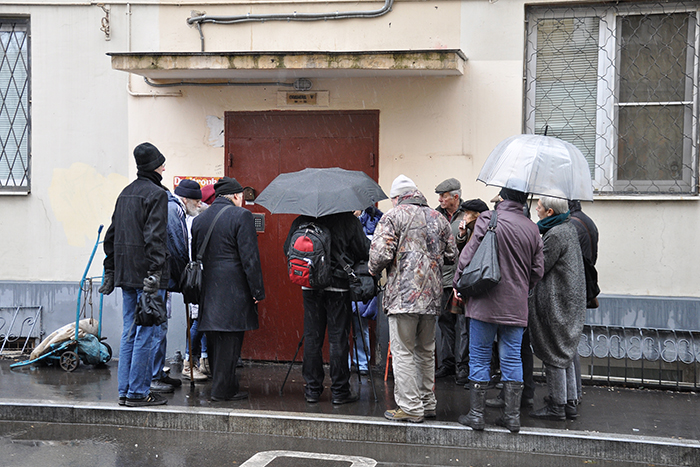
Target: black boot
{"x":497,"y":402}
{"x":477,"y":398}
{"x":570,"y":410}
{"x":510,"y":418}
{"x":550,"y":411}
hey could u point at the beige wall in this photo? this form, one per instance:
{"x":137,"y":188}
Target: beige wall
{"x":79,"y":140}
{"x":85,"y":123}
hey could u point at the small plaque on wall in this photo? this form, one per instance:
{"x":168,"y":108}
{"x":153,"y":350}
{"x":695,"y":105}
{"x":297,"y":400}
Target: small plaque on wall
{"x":302,"y":98}
{"x":305,"y":98}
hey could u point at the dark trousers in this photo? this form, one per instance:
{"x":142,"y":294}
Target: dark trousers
{"x":224,"y":348}
{"x":528,"y":363}
{"x":454,"y":354}
{"x":326,"y":310}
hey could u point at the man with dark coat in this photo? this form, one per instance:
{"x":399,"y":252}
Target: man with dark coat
{"x":137,"y":261}
{"x":232,"y":284}
{"x":503,"y":310}
{"x":588,"y":239}
{"x":330,"y":307}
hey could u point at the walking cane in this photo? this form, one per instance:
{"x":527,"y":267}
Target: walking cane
{"x":301,"y":342}
{"x":189,"y":345}
{"x":364,"y":346}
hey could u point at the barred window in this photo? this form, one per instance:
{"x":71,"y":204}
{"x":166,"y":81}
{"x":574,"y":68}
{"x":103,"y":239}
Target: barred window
{"x":14,"y":105}
{"x":621,"y":83}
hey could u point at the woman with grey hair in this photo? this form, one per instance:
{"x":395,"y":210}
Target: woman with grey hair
{"x":558,"y":308}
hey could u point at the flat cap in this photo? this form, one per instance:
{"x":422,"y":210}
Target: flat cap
{"x":451,"y":184}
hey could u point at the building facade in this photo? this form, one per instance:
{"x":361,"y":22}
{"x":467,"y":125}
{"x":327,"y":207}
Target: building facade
{"x":427,"y":89}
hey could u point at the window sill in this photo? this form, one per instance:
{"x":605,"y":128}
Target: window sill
{"x":643,"y":197}
{"x":15,"y":193}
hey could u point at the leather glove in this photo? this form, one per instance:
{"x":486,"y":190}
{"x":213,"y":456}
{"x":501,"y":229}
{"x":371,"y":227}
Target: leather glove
{"x":107,"y":283}
{"x":152,"y":282}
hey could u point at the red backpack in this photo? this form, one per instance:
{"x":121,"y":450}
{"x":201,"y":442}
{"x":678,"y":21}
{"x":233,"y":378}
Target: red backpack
{"x":309,"y":256}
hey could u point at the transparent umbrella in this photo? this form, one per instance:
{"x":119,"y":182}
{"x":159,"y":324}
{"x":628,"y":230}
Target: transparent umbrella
{"x":320,"y":192}
{"x":540,"y":165}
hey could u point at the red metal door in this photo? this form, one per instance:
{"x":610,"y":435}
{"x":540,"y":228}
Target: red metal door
{"x":260,"y":146}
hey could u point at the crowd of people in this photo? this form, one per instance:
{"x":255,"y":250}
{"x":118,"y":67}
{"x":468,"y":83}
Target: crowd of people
{"x":538,"y":307}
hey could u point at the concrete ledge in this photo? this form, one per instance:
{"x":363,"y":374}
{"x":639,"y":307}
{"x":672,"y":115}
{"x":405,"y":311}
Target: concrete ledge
{"x":593,"y":446}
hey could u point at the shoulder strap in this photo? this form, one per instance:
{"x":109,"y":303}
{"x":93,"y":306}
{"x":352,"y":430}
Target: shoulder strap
{"x":494,"y":219}
{"x":203,"y":247}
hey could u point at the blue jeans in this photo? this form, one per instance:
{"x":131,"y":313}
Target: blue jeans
{"x":199,"y":342}
{"x":135,"y":350}
{"x":160,"y":344}
{"x":481,"y":336}
{"x":358,"y":337}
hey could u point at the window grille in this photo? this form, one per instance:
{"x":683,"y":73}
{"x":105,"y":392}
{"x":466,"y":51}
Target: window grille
{"x":14,"y":105}
{"x":621,"y":83}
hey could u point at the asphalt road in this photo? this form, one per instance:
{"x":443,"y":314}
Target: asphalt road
{"x":24,"y":444}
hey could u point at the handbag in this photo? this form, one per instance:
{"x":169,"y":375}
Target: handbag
{"x":191,"y":279}
{"x":483,"y":272}
{"x":150,"y":310}
{"x":363,"y":285}
{"x":591,"y":273}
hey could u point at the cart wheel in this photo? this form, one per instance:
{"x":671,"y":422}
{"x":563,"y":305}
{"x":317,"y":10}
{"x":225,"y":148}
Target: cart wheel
{"x":69,"y":360}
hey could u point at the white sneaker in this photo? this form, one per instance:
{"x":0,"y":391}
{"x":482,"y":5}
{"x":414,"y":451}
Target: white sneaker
{"x":196,"y":374}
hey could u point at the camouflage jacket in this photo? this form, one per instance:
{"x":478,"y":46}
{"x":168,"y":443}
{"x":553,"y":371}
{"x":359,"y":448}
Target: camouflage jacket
{"x":412,"y":242}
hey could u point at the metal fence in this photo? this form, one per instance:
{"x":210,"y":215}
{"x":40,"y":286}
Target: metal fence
{"x":20,"y":328}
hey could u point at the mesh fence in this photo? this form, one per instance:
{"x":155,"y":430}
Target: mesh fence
{"x":619,"y":81}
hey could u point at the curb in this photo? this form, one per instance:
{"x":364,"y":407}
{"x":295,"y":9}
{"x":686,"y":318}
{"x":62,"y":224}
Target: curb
{"x":587,"y":445}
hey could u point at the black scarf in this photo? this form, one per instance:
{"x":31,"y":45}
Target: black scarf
{"x":151,"y":176}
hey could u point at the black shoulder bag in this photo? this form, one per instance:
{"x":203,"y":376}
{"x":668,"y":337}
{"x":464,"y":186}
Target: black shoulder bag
{"x":363,"y":285}
{"x":191,"y":279}
{"x":483,"y":272}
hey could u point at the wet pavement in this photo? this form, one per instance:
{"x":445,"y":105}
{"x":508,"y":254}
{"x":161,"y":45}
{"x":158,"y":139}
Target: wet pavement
{"x":615,"y":424}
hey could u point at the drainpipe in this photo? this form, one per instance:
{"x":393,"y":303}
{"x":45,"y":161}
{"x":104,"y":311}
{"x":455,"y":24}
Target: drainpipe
{"x":204,"y":18}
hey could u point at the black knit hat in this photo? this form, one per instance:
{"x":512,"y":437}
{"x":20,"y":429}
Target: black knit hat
{"x":476,"y":205}
{"x":189,"y":189}
{"x":227,"y":186}
{"x":148,"y":157}
{"x":514,"y":195}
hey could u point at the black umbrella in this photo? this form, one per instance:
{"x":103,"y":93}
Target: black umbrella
{"x":320,"y":192}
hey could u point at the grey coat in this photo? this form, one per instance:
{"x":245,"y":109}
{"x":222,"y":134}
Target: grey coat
{"x":558,"y":306}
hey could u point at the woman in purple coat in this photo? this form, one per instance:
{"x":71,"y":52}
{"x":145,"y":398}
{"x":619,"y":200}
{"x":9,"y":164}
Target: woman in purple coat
{"x":502,"y":311}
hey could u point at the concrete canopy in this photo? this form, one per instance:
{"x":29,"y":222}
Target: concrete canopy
{"x":225,"y":66}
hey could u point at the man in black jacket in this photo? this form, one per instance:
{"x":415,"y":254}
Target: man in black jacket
{"x":588,"y":239}
{"x":330,"y":307}
{"x":136,"y":260}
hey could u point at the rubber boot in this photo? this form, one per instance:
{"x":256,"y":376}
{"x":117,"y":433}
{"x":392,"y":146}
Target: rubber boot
{"x":510,"y":417}
{"x":477,"y":398}
{"x":497,"y":402}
